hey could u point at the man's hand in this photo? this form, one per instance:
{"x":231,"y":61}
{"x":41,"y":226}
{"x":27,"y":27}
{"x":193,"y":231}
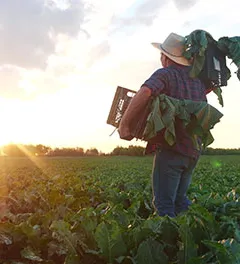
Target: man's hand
{"x":124,"y":132}
{"x":137,"y":106}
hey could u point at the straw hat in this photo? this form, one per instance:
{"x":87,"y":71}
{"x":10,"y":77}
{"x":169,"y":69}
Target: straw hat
{"x":173,"y":48}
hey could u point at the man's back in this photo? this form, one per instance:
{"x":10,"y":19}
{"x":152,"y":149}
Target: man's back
{"x":174,"y":81}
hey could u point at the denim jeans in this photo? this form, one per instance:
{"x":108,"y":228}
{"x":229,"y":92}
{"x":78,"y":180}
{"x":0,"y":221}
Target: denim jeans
{"x":171,"y":177}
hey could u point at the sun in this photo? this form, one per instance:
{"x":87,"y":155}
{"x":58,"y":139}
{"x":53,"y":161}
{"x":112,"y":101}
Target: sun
{"x":6,"y":131}
{"x":4,"y":138}
{"x":11,"y":122}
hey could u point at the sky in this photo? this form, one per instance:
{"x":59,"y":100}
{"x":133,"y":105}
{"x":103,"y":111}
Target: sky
{"x":62,"y":60}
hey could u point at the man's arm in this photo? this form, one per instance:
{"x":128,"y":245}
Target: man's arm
{"x":209,"y":90}
{"x":137,"y":105}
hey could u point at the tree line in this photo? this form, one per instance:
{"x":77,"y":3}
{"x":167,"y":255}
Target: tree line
{"x":221,"y":151}
{"x":140,"y":151}
{"x":20,"y":150}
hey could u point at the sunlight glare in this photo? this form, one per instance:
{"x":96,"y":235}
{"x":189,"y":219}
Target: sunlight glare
{"x":12,"y":122}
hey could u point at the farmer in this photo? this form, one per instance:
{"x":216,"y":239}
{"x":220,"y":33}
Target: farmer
{"x":173,"y":165}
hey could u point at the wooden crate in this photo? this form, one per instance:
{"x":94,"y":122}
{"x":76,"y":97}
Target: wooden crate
{"x":122,"y":98}
{"x":120,"y":103}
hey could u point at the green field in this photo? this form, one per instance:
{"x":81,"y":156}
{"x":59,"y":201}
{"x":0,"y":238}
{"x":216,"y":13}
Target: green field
{"x":98,"y":210}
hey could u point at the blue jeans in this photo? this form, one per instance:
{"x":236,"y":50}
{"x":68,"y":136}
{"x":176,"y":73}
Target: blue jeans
{"x":172,"y":173}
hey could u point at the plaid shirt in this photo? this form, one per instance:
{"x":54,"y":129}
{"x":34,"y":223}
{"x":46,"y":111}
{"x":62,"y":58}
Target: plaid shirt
{"x":174,"y":81}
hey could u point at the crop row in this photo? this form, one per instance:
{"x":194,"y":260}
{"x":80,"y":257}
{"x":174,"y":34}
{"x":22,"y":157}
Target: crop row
{"x":98,"y":210}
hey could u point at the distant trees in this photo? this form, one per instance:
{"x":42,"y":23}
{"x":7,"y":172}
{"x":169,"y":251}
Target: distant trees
{"x":130,"y":151}
{"x":220,"y":151}
{"x":92,"y":152}
{"x":66,"y":152}
{"x":12,"y":150}
{"x":139,"y":151}
{"x":20,"y":150}
{"x":42,"y":150}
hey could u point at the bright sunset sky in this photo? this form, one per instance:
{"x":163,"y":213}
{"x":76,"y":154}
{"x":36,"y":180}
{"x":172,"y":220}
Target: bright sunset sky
{"x":61,"y":61}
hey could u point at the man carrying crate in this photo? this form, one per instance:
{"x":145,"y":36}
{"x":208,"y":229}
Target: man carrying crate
{"x":173,"y":164}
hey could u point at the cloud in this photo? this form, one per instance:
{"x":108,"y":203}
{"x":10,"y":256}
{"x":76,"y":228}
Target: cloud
{"x":184,"y":4}
{"x":10,"y":77}
{"x":28,"y":29}
{"x":143,"y":13}
{"x":62,"y":38}
{"x":18,"y":83}
{"x":98,"y":51}
{"x":146,"y":11}
{"x":37,"y":82}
